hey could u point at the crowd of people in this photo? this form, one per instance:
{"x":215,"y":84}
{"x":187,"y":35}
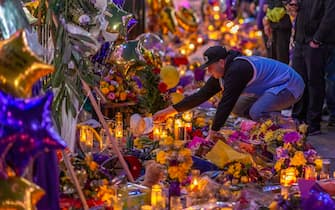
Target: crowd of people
{"x":299,"y":72}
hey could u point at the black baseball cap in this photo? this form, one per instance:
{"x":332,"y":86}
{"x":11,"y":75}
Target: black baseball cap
{"x":213,"y":54}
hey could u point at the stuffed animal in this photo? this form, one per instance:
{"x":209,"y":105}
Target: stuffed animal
{"x":154,"y":173}
{"x":140,"y":125}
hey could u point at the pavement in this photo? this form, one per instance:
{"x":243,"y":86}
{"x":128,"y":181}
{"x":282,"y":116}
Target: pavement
{"x":325,"y":143}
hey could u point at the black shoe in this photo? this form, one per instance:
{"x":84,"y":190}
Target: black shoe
{"x":312,"y":131}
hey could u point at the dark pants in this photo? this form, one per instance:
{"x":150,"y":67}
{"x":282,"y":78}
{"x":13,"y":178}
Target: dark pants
{"x":330,"y":84}
{"x":281,"y":34}
{"x":310,"y":64}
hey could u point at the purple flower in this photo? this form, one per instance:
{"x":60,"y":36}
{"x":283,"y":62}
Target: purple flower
{"x":84,"y":19}
{"x":291,"y":137}
{"x":310,"y":152}
{"x":281,"y":153}
{"x":196,"y":142}
{"x":185,"y":80}
{"x":138,"y":81}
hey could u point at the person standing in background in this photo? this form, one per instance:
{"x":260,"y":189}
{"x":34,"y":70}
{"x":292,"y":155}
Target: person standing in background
{"x":277,"y":27}
{"x":314,"y":33}
{"x":262,"y":7}
{"x":330,"y":87}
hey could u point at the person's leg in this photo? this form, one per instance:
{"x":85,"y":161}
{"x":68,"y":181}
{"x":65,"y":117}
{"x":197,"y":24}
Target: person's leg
{"x":299,"y":110}
{"x":330,"y":88}
{"x":243,"y":106}
{"x":315,"y":59}
{"x":270,"y":104}
{"x":282,"y":40}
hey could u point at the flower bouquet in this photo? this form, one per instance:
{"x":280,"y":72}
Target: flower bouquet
{"x":176,"y":158}
{"x":238,"y":173}
{"x":95,"y":182}
{"x":118,"y":89}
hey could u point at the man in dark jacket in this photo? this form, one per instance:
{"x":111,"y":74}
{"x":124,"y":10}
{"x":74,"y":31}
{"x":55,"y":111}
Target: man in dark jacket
{"x":252,"y":86}
{"x":314,"y":34}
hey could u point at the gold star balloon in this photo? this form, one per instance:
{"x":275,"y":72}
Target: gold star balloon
{"x":20,"y":68}
{"x":19,"y":193}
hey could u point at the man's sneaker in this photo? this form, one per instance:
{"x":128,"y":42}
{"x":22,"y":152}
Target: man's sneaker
{"x":311,"y":131}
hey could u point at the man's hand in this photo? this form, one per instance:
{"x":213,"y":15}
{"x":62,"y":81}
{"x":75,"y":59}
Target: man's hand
{"x":162,"y":115}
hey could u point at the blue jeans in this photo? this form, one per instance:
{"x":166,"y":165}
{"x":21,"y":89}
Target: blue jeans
{"x":266,"y":106}
{"x":330,"y":85}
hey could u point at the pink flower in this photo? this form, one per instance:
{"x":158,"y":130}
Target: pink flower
{"x":196,"y":142}
{"x":111,"y":96}
{"x":247,"y":125}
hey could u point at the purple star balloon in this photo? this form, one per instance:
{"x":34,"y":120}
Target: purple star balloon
{"x":119,"y":3}
{"x":36,"y":133}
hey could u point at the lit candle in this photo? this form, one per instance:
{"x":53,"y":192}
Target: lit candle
{"x":288,"y":177}
{"x":318,"y":164}
{"x":156,"y":131}
{"x":146,"y":207}
{"x":310,"y":173}
{"x":194,"y":187}
{"x":179,"y":129}
{"x":187,"y":116}
{"x":157,"y":197}
{"x":163,"y":134}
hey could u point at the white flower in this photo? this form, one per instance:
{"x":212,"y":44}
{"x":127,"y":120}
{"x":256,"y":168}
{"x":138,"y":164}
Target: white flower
{"x":84,"y":19}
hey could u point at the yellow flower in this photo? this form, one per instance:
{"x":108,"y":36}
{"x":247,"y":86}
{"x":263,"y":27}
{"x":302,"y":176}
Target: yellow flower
{"x":185,"y":152}
{"x":263,"y":128}
{"x":106,"y":194}
{"x":237,"y":174}
{"x":298,"y":159}
{"x":92,"y":165}
{"x":238,"y":166}
{"x":103,"y":84}
{"x":173,"y":172}
{"x":161,"y":157}
{"x":178,"y":144}
{"x":167,"y":141}
{"x":104,"y":90}
{"x":185,"y":166}
{"x":137,"y":143}
{"x":200,"y":121}
{"x":268,"y":136}
{"x":111,"y":88}
{"x":268,"y":123}
{"x":123,"y":96}
{"x":303,"y":128}
{"x":231,"y":169}
{"x":279,"y":163}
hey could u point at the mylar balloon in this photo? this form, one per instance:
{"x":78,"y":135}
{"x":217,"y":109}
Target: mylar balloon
{"x":119,"y":3}
{"x":168,"y":20}
{"x":117,"y":20}
{"x":152,"y":47}
{"x":127,"y":56}
{"x":35,"y":134}
{"x":12,"y":18}
{"x":187,"y":19}
{"x":157,"y":5}
{"x":20,"y":68}
{"x":19,"y":193}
